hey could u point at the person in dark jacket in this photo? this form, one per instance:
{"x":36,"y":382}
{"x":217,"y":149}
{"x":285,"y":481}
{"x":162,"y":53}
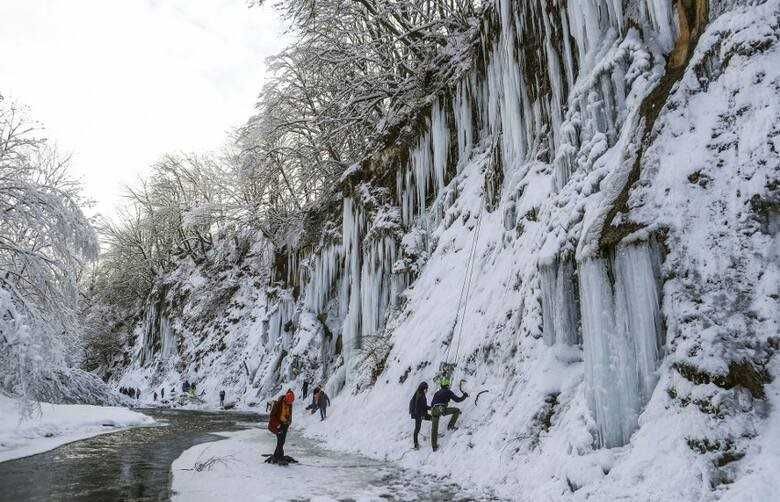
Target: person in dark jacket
{"x":323,"y":401}
{"x":222,"y":398}
{"x":162,"y":393}
{"x":305,"y":388}
{"x":279,"y":422}
{"x":440,"y":407}
{"x":418,"y":409}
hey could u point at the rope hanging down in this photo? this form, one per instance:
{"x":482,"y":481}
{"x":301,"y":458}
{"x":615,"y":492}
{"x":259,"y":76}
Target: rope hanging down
{"x":465,"y":289}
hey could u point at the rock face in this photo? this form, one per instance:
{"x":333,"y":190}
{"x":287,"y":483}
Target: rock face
{"x":586,"y":223}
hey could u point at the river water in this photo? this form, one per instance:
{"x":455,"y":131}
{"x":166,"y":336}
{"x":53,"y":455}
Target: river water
{"x":129,"y":465}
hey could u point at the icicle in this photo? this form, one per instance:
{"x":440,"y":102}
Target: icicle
{"x":662,"y":19}
{"x":167,"y":337}
{"x":461,"y":107}
{"x":612,"y":386}
{"x":559,"y":303}
{"x":421,"y":163}
{"x":621,"y":338}
{"x":325,"y":269}
{"x":350,"y":297}
{"x":635,"y":270}
{"x":440,"y":143}
{"x":376,"y":287}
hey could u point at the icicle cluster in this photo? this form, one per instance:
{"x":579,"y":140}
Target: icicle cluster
{"x":158,"y":334}
{"x":559,"y":303}
{"x":427,"y":165}
{"x":280,"y":319}
{"x":533,"y":101}
{"x":325,"y":269}
{"x":621,"y":338}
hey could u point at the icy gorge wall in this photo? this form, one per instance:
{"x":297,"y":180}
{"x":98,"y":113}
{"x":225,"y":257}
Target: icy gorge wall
{"x":585,"y":223}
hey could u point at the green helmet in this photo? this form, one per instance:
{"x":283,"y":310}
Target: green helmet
{"x":444,"y":382}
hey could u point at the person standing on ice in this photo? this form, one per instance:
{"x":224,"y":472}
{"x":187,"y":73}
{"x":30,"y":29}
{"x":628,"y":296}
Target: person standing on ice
{"x":222,"y":398}
{"x":323,"y":401}
{"x":440,"y":407}
{"x":278,"y":423}
{"x":305,"y":388}
{"x":314,"y":403}
{"x":418,"y":409}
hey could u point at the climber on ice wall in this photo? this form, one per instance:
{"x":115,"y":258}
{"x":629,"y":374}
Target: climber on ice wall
{"x":440,"y":407}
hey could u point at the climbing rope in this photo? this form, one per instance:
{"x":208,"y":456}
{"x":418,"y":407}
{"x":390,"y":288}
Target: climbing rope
{"x":465,"y":292}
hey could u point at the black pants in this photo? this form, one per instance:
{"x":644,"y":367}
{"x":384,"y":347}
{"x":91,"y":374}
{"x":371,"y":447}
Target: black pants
{"x":417,"y":425}
{"x":323,"y":413}
{"x":280,"y":438}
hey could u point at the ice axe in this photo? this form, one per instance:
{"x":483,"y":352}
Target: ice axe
{"x":476,"y":399}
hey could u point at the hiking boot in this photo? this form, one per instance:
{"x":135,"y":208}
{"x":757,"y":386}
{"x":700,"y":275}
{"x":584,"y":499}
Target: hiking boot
{"x":416,"y":447}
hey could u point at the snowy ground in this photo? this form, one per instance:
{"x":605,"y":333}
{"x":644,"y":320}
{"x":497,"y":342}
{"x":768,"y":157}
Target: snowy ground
{"x":58,"y":424}
{"x":239,"y":473}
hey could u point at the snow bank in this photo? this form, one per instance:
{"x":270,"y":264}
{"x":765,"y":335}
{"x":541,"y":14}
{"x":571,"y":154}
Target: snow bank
{"x":233,"y":469}
{"x":58,"y":424}
{"x":241,"y":474}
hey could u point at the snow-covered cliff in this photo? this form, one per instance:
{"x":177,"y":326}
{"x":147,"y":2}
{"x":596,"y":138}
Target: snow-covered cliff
{"x":585,"y":224}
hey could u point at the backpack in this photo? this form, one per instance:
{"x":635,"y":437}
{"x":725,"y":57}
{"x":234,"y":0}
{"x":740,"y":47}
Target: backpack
{"x":274,"y":424}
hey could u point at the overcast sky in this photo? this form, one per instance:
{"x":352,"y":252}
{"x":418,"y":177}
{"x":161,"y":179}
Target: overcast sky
{"x":120,"y":82}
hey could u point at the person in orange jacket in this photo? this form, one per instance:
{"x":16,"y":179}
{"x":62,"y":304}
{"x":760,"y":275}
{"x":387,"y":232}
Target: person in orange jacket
{"x":278,"y":423}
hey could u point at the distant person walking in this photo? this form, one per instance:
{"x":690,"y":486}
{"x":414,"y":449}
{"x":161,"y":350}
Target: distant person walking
{"x":314,"y":395}
{"x":418,"y":409}
{"x":222,"y":398}
{"x":162,"y":393}
{"x":323,"y":401}
{"x":278,"y":423}
{"x":305,"y":389}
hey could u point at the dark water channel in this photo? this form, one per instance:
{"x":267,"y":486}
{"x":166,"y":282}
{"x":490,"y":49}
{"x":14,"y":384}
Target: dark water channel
{"x":132,"y":465}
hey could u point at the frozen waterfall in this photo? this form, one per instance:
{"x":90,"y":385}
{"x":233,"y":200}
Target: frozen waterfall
{"x":622,"y":337}
{"x":559,"y":303}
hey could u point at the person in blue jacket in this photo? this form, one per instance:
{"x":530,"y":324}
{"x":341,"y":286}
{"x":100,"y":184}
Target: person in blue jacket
{"x":418,"y":409}
{"x":440,"y":407}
